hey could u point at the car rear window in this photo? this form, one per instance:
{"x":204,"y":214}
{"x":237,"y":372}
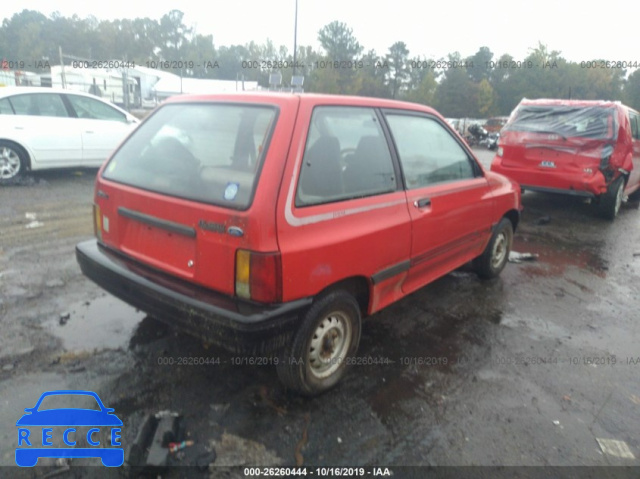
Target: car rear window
{"x":595,"y":122}
{"x":207,"y":152}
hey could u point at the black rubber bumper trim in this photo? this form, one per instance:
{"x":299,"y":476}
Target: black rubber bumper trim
{"x":158,"y":222}
{"x":561,"y":191}
{"x":390,"y":272}
{"x":239,"y":326}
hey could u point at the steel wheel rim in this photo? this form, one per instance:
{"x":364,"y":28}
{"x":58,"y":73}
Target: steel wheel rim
{"x":9,"y":163}
{"x":618,"y":199}
{"x":499,"y":252}
{"x":329,"y":344}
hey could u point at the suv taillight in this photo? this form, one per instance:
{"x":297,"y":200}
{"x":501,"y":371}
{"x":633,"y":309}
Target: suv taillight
{"x":259,"y":276}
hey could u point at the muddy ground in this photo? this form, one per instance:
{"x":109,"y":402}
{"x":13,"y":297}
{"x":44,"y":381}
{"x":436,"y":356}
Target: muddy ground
{"x":535,"y":368}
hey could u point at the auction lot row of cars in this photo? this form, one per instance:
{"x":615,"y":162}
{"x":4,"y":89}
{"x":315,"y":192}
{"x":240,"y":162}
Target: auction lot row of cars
{"x":273,"y":223}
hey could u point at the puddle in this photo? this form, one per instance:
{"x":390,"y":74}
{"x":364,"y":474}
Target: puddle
{"x":386,"y":400}
{"x":104,"y":323}
{"x":556,"y":255}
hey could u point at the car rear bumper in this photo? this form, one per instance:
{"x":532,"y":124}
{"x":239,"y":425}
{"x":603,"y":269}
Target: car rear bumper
{"x":238,"y":326}
{"x":550,"y":181}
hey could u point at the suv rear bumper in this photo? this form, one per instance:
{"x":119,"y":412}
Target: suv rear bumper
{"x":550,"y":181}
{"x":238,"y":326}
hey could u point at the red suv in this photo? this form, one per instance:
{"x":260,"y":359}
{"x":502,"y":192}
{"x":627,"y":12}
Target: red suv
{"x":584,"y":148}
{"x":271,"y":223}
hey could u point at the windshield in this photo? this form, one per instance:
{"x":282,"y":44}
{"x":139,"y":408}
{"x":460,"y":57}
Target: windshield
{"x":565,"y":121}
{"x":204,"y":152}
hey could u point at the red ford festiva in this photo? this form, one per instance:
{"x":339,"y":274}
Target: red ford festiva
{"x":584,"y":148}
{"x":273,"y":223}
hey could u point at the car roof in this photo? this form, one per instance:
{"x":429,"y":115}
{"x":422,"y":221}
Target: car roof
{"x":560,"y":102}
{"x":16,"y":90}
{"x":312,"y":98}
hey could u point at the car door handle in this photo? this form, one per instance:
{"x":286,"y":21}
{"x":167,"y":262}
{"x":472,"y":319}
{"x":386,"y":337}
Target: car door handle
{"x":422,"y":202}
{"x":89,"y":131}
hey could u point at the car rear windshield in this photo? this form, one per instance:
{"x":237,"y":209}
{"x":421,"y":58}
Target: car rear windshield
{"x":595,"y":122}
{"x":207,"y":152}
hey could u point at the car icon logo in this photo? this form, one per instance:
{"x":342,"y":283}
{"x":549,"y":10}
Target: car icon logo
{"x":73,"y":421}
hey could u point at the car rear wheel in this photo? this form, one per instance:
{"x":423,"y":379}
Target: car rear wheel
{"x":321,"y":349}
{"x":610,"y":202}
{"x":13,"y":162}
{"x":495,"y":256}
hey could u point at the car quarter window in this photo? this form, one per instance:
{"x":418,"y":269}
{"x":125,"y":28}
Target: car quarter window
{"x":5,"y":107}
{"x":39,"y":104}
{"x":428,"y":153}
{"x":346,"y":156}
{"x":94,"y":109}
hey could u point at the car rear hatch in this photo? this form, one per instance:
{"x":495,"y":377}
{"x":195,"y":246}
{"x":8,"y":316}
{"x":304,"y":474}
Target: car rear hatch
{"x":558,"y":139}
{"x":177,"y":195}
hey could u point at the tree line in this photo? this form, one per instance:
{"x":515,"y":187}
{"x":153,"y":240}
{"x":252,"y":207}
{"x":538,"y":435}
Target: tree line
{"x":480,"y":85}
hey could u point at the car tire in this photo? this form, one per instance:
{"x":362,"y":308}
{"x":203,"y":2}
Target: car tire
{"x":13,"y":162}
{"x":495,"y":256}
{"x":327,"y":338}
{"x":609,"y":204}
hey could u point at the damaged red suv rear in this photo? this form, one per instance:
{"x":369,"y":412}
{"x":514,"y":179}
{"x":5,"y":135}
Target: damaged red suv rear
{"x":577,"y":147}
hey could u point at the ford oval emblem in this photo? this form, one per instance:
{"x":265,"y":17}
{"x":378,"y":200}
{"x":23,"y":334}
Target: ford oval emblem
{"x":235,"y":231}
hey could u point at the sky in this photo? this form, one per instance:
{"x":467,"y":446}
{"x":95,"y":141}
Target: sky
{"x":579,"y":30}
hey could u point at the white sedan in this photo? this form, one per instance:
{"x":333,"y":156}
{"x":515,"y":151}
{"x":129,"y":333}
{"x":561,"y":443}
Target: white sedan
{"x":53,"y":128}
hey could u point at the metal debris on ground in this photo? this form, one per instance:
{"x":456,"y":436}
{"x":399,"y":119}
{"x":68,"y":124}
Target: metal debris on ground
{"x":177,"y":446}
{"x":515,"y":257}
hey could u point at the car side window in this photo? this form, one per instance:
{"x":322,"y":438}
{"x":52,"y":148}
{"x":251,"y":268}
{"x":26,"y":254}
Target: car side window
{"x":346,"y":156}
{"x":39,"y":104}
{"x":428,"y":153}
{"x":5,"y":107}
{"x":93,"y":109}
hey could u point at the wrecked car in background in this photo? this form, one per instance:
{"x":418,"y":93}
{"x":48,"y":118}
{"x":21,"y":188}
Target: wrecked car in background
{"x":272,"y":224}
{"x":584,"y":148}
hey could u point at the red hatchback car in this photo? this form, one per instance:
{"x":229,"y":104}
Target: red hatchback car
{"x":577,"y":147}
{"x":272,"y":223}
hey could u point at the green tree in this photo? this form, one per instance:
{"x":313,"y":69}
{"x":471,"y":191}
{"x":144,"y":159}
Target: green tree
{"x":173,"y":35}
{"x":372,"y":76}
{"x":455,"y":96}
{"x":397,"y":59}
{"x":342,"y":49}
{"x":478,"y":66}
{"x":338,"y":42}
{"x":632,"y":90}
{"x":422,"y":83}
{"x":485,"y":99}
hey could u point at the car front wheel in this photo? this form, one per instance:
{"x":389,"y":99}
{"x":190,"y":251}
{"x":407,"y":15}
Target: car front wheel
{"x":495,"y":256}
{"x":321,"y":349}
{"x":12,"y":162}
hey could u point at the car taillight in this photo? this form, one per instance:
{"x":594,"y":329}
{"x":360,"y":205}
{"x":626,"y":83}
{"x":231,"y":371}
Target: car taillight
{"x":259,"y":276}
{"x":97,"y":222}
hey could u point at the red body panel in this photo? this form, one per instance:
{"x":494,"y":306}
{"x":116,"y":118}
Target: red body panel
{"x":319,"y":245}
